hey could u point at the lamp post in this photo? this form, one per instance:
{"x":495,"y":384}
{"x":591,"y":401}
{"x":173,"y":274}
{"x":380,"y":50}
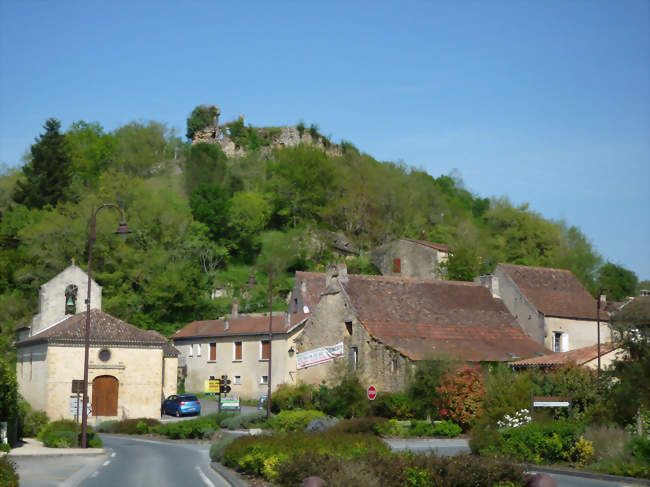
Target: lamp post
{"x":122,"y":230}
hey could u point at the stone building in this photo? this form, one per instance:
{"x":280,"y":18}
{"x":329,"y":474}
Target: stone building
{"x":405,"y":257}
{"x":130,"y":370}
{"x":238,"y":346}
{"x":550,"y":305}
{"x":586,"y":357}
{"x":380,"y":326}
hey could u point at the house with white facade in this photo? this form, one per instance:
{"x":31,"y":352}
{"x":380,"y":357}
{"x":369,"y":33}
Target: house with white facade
{"x":550,"y":305}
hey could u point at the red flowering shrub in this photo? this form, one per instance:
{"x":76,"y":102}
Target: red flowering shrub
{"x":461,"y":396}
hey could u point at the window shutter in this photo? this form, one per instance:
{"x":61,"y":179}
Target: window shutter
{"x":238,"y":353}
{"x":565,"y":342}
{"x":266,"y":349}
{"x":397,"y":266}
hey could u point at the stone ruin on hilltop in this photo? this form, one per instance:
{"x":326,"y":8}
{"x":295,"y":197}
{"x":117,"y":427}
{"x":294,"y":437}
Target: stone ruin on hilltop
{"x":270,"y":138}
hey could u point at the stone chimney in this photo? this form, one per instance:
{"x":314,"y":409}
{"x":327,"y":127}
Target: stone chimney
{"x":235,"y":308}
{"x":335,"y":274}
{"x":491,"y":282}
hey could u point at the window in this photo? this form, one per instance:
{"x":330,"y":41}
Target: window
{"x":191,"y":350}
{"x":265,"y":349}
{"x":264,"y":380}
{"x":198,"y":349}
{"x":237,"y":351}
{"x":237,"y":380}
{"x":354,"y":358}
{"x":560,"y":341}
{"x":295,"y":305}
{"x":213,"y":352}
{"x":348,"y":326}
{"x":397,"y":266}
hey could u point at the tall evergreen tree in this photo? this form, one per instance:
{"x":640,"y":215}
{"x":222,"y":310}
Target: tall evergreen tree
{"x":47,"y":174}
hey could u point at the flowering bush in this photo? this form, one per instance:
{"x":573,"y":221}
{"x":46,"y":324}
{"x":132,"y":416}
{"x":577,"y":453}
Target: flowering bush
{"x":462,"y":396}
{"x":520,"y":418}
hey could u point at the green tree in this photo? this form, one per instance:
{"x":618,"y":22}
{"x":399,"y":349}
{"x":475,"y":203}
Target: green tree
{"x":145,"y":149}
{"x":463,"y":264}
{"x":92,"y":150}
{"x":201,"y":117}
{"x":8,"y":390}
{"x":210,"y":205}
{"x":205,"y":164}
{"x":422,"y":388}
{"x":249,"y":214}
{"x":47,"y":174}
{"x":617,"y":281}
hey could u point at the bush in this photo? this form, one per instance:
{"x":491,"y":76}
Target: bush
{"x":639,"y":446}
{"x":8,"y":474}
{"x":461,"y":396}
{"x":345,"y":400}
{"x":240,"y":421}
{"x":446,"y":428}
{"x":294,"y":420}
{"x":422,"y":390}
{"x":369,"y":425}
{"x":393,"y":405}
{"x":5,"y":447}
{"x":137,"y":426}
{"x":608,"y":442}
{"x":61,"y":424}
{"x":288,"y":397}
{"x":199,"y":428}
{"x":582,"y":451}
{"x":217,"y":449}
{"x":33,"y":422}
{"x":57,"y":438}
{"x":321,"y":425}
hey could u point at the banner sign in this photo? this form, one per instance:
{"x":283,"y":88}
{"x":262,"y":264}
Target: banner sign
{"x":319,"y":356}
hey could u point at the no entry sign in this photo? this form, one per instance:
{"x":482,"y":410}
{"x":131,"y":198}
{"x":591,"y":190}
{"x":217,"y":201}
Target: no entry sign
{"x":372,"y":393}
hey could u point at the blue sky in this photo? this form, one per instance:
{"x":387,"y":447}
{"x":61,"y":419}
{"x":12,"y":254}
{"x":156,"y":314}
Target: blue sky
{"x":543,"y":102}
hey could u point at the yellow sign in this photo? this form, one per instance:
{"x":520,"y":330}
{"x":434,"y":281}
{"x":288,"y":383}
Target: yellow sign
{"x":211,"y":386}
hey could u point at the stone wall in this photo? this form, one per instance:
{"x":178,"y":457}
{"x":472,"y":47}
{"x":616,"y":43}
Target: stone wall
{"x":416,"y":261}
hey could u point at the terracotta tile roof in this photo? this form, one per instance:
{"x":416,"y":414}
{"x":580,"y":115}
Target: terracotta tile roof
{"x":104,"y":329}
{"x":420,"y":318}
{"x":636,"y":311}
{"x":554,"y":292}
{"x":442,"y":248}
{"x":169,"y":350}
{"x":243,"y":325}
{"x":578,"y":356}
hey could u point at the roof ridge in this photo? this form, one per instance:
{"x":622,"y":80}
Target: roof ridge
{"x":537,"y":267}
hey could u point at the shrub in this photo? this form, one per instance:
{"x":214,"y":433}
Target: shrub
{"x":608,"y":442}
{"x":8,"y":474}
{"x":203,"y":427}
{"x":292,"y":397}
{"x":394,"y":405}
{"x":5,"y":447}
{"x":347,"y":399}
{"x":420,"y":428}
{"x":423,"y":387}
{"x":486,"y":441}
{"x":61,"y":424}
{"x":294,"y":420}
{"x":33,"y":422}
{"x":240,"y":421}
{"x":639,"y":446}
{"x":461,"y":396}
{"x":217,"y":448}
{"x":320,"y":425}
{"x":137,"y":426}
{"x":446,"y":428}
{"x":370,"y":425}
{"x":582,"y":451}
{"x":55,"y":438}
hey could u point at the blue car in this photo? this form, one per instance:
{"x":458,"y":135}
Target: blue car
{"x":181,"y":404}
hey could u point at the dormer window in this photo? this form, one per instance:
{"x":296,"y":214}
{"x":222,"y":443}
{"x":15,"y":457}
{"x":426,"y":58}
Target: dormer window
{"x":71,"y":299}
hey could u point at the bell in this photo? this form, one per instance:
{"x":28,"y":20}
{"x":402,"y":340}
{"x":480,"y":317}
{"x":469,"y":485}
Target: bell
{"x":70,"y":301}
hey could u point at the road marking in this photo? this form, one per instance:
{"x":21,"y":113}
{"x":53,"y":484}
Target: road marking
{"x":107,"y":462}
{"x":205,"y":479}
{"x":95,"y":474}
{"x":112,"y":454}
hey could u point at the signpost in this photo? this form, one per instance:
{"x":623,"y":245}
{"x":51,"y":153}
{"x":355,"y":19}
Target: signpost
{"x":372,"y":393}
{"x":77,"y":388}
{"x":549,"y":402}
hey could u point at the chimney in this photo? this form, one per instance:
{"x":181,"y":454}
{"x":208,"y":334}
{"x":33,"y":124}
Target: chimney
{"x":491,"y":282}
{"x":235,"y":308}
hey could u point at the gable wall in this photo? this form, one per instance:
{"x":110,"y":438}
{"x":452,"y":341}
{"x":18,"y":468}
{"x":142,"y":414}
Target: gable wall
{"x":582,"y":333}
{"x":378,"y":365}
{"x":31,"y":373}
{"x":417,"y":261}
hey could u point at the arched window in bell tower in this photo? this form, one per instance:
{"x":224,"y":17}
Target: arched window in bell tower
{"x":71,"y":299}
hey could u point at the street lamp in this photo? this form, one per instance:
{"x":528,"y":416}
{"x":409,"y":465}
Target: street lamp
{"x":122,"y":230}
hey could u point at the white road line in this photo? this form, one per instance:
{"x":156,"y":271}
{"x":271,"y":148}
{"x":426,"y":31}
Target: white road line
{"x":94,"y":475}
{"x":205,"y":479}
{"x":112,"y":454}
{"x":107,"y":462}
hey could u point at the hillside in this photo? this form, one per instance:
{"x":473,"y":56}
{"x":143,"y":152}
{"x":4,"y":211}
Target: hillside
{"x":200,"y":219}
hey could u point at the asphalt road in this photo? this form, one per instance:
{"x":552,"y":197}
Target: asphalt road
{"x":54,"y":471}
{"x":137,"y":462}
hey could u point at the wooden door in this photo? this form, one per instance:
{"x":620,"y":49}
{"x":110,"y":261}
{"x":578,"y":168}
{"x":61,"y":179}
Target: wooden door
{"x":105,"y":396}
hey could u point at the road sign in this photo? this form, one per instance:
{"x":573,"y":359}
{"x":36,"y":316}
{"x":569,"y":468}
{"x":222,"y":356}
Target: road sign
{"x":76,"y":405}
{"x":211,"y":386}
{"x":372,"y":393}
{"x":77,"y":386}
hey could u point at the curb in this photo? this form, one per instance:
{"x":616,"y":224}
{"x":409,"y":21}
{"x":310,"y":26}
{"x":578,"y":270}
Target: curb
{"x":76,"y":452}
{"x":231,"y":477}
{"x":587,"y":475}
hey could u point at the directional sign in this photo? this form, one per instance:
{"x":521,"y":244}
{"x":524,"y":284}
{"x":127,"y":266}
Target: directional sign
{"x":76,"y":406}
{"x":372,"y":393}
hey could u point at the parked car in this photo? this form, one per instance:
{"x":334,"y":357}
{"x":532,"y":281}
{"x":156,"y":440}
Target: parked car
{"x":181,"y":404}
{"x":261,"y":404}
